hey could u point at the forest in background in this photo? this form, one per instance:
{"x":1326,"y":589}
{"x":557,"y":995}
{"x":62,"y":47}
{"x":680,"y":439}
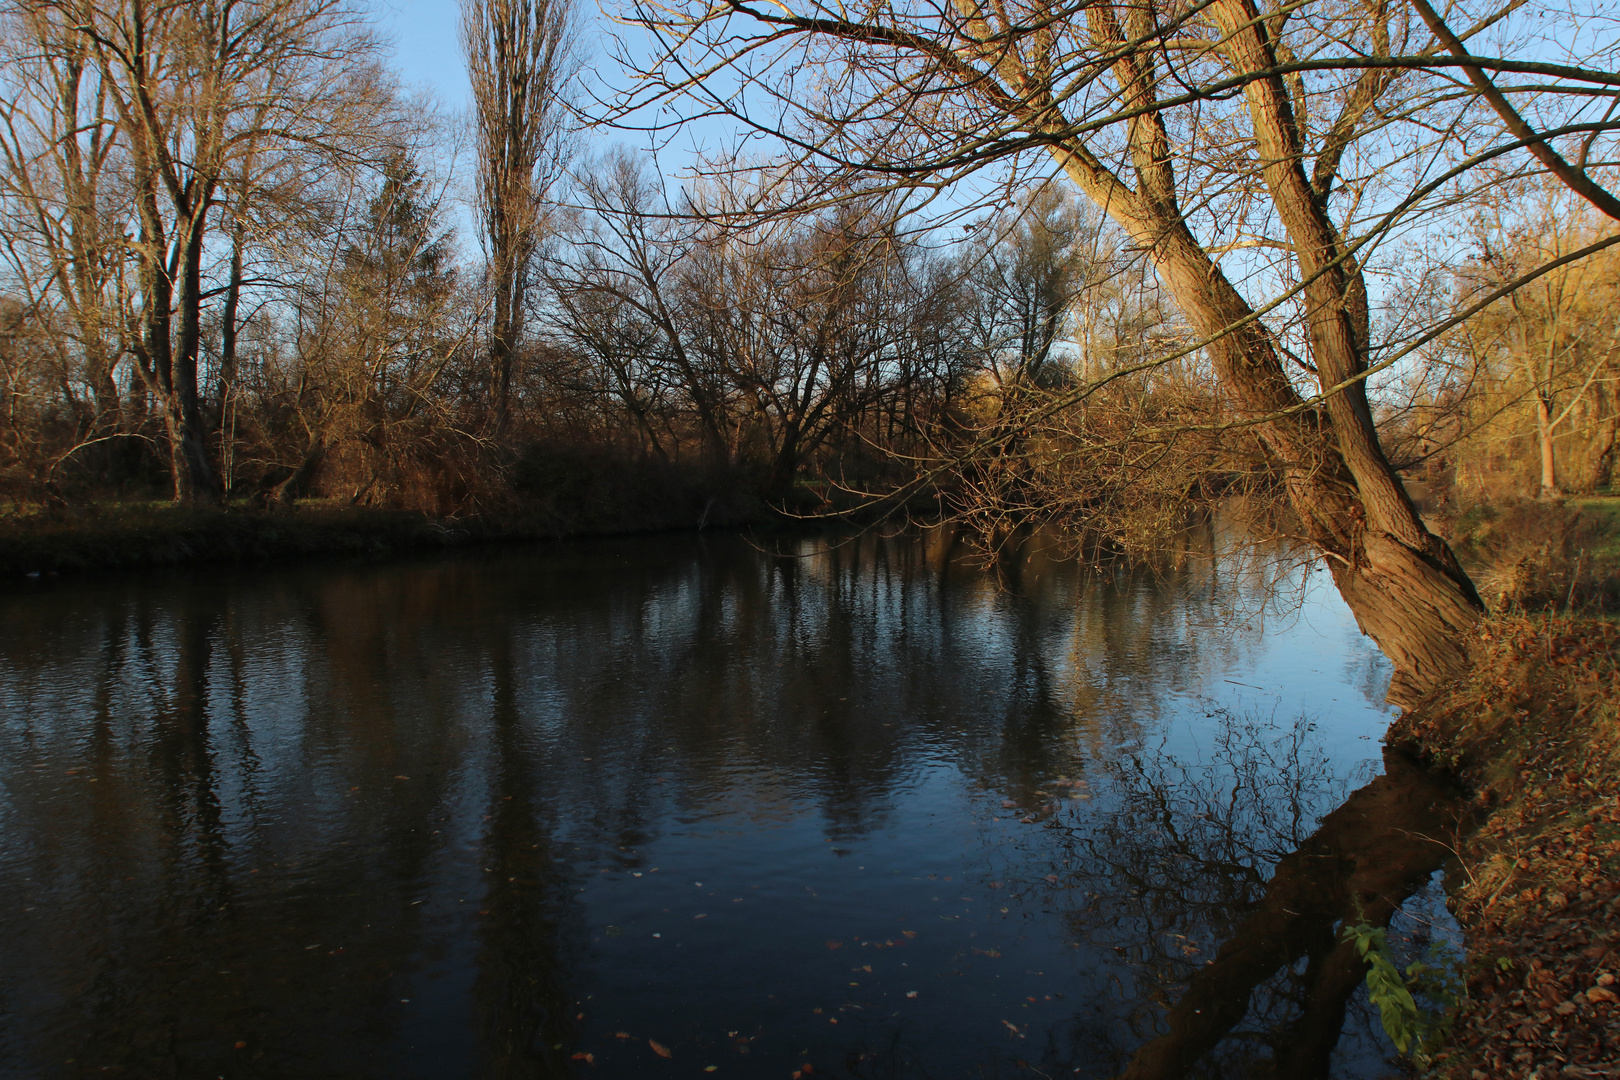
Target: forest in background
{"x":230,"y":275}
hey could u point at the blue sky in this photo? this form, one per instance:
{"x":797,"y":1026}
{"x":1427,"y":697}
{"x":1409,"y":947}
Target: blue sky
{"x":425,"y":35}
{"x":427,"y":47}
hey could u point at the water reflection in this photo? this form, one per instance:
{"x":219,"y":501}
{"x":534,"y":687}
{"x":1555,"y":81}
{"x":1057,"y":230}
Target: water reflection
{"x":518,"y":812}
{"x":1212,"y":881}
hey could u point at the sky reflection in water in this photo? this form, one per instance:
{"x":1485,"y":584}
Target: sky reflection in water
{"x":874,"y":809}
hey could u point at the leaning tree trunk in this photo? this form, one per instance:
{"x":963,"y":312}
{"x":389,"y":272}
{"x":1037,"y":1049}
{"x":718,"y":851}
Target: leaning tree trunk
{"x":1402,"y":582}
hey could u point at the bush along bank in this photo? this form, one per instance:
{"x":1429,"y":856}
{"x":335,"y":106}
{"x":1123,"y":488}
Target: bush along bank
{"x":1535,"y":734}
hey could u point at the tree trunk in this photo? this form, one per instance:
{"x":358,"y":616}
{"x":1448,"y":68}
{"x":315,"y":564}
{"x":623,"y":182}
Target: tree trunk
{"x":201,"y":481}
{"x":1403,"y":584}
{"x":500,"y":346}
{"x":1544,"y":438}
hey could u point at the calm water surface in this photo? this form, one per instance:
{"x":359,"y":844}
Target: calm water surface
{"x":677,"y":806}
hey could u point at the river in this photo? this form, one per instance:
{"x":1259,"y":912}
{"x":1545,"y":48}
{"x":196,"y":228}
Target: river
{"x":695,"y":805}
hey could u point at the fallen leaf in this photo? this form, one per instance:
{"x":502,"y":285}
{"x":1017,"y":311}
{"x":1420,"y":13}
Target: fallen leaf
{"x":659,"y":1048}
{"x":835,"y":944}
{"x":911,"y":993}
{"x":909,"y":933}
{"x":585,"y":1056}
{"x":621,"y":1035}
{"x":1601,"y":993}
{"x":711,"y":1068}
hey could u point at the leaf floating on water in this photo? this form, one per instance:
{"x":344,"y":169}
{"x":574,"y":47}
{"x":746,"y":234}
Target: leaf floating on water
{"x":711,"y":1068}
{"x":659,"y":1048}
{"x":835,"y":944}
{"x":911,"y":993}
{"x":585,"y":1056}
{"x":909,"y":933}
{"x":622,"y":1035}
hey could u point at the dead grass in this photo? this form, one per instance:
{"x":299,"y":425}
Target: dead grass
{"x":1535,"y":733}
{"x":1542,"y":556}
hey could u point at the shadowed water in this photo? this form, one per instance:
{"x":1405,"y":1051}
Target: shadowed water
{"x":643,"y":807}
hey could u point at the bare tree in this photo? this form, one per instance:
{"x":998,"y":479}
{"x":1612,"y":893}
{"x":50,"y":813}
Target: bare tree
{"x":199,"y":88}
{"x":1248,"y":151}
{"x":809,"y":338}
{"x":617,"y":294}
{"x":60,"y":186}
{"x":520,"y":57}
{"x":1547,"y":354}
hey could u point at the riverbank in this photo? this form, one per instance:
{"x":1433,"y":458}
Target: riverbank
{"x":134,"y":535}
{"x":1535,"y":733}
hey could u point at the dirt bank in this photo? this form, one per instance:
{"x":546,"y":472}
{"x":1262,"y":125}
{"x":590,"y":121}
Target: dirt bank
{"x":1536,"y":735}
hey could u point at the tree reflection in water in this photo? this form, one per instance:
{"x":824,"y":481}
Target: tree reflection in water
{"x":1223,"y":886}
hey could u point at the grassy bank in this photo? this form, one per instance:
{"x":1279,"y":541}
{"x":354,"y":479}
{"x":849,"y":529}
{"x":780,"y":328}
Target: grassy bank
{"x":548,"y":493}
{"x":136,"y":535}
{"x":132,"y":535}
{"x":1541,"y":555}
{"x":1535,"y":733}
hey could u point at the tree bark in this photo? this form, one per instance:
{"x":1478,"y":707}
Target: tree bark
{"x":1544,"y":439}
{"x":1403,"y":583}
